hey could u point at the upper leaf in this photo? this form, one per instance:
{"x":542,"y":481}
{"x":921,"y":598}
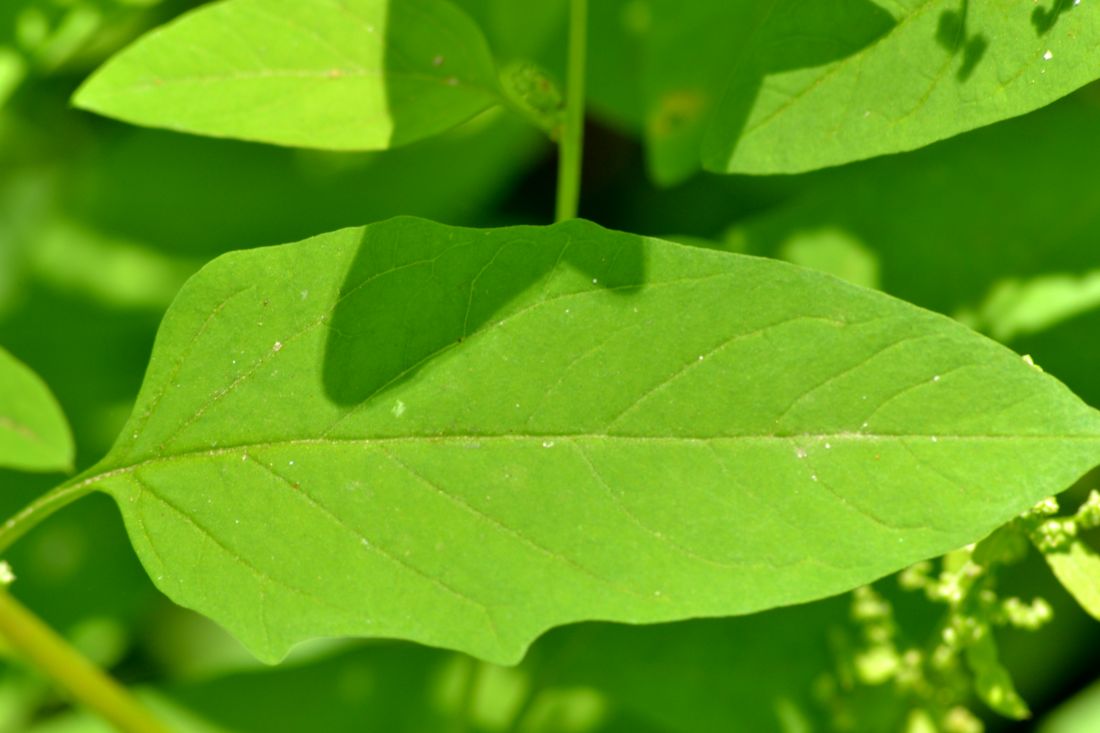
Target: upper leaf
{"x":335,"y":74}
{"x":465,"y":437}
{"x":34,"y":435}
{"x":785,"y":86}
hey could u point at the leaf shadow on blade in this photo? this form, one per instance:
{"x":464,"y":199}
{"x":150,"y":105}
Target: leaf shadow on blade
{"x":783,"y":37}
{"x":407,"y":299}
{"x":428,"y":90}
{"x":1045,"y":19}
{"x":953,"y":36}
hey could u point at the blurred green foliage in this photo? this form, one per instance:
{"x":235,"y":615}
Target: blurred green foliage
{"x":100,"y":224}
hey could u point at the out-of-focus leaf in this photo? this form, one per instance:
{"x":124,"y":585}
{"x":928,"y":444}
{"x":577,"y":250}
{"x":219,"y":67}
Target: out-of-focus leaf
{"x":1078,"y":569}
{"x":34,"y":435}
{"x":1020,"y":307}
{"x":1081,"y":714}
{"x":117,"y":273}
{"x":341,"y":75}
{"x":395,"y":452}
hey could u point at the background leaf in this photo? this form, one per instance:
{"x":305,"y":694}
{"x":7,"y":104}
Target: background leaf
{"x":338,"y":437}
{"x":334,"y":74}
{"x":784,"y":86}
{"x":1078,"y":569}
{"x":944,"y":67}
{"x":34,"y":435}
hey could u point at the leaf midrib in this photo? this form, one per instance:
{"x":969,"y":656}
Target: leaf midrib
{"x":838,"y":437}
{"x":282,"y":74}
{"x":12,"y":425}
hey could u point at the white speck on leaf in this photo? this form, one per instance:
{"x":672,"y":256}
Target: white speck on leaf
{"x":1048,"y":55}
{"x":828,"y":446}
{"x":935,"y":439}
{"x":800,"y":452}
{"x":398,"y":408}
{"x":305,"y":294}
{"x":813,"y":477}
{"x":936,"y":378}
{"x":595,"y":281}
{"x":278,"y":346}
{"x":290,"y":463}
{"x":547,"y":444}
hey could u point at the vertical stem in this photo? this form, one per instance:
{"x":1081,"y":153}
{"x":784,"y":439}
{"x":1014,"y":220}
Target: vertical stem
{"x":83,"y":680}
{"x":572,"y":136}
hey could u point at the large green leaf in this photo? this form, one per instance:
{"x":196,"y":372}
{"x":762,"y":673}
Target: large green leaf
{"x":465,"y":437}
{"x":34,"y":435}
{"x":336,"y":74}
{"x":785,"y":86}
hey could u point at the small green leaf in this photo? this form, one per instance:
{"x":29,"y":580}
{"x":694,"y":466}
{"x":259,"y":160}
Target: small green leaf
{"x":465,"y":437}
{"x":1078,"y":570}
{"x":34,"y":435}
{"x":334,"y":74}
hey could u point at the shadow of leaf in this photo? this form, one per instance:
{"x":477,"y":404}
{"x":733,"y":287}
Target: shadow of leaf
{"x":415,"y":290}
{"x":951,"y":34}
{"x":709,"y":62}
{"x":1044,"y":19}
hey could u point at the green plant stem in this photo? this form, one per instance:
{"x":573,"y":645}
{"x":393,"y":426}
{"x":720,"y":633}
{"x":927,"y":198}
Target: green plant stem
{"x":39,"y":509}
{"x":572,"y":136}
{"x":43,"y":647}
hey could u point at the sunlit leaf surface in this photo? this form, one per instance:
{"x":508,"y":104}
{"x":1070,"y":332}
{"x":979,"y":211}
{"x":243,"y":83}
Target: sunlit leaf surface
{"x":465,"y":437}
{"x":336,"y":74}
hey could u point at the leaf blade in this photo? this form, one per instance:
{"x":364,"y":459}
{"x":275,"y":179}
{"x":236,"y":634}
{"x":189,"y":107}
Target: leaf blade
{"x":34,"y":435}
{"x":358,"y":75}
{"x":377,"y":420}
{"x":1078,"y":570}
{"x":782,"y":87}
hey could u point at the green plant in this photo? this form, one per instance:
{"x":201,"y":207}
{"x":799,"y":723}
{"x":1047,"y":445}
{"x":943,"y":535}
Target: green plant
{"x":467,"y":437}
